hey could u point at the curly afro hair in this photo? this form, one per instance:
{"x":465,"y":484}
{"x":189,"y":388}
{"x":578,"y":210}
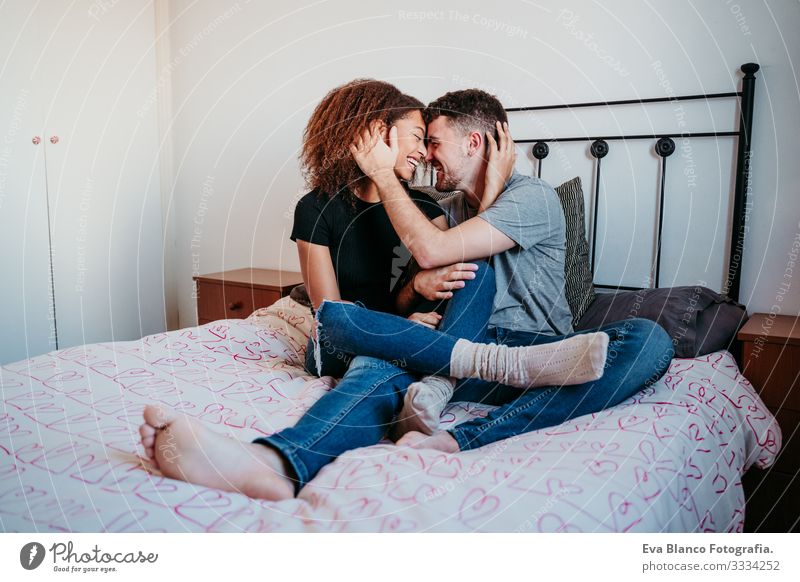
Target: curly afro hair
{"x":344,"y":112}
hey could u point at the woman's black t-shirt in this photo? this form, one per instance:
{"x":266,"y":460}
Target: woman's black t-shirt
{"x":363,"y":244}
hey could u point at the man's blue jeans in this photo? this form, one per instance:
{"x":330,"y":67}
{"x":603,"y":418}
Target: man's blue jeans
{"x":360,"y":409}
{"x":639,"y":353}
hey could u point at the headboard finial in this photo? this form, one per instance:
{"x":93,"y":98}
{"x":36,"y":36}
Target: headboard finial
{"x":540,"y":150}
{"x":599,"y":148}
{"x":741,"y":189}
{"x":749,"y":70}
{"x":665,"y":147}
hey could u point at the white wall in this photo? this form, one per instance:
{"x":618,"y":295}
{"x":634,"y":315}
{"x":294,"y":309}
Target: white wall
{"x":244,"y":77}
{"x":81,"y":215}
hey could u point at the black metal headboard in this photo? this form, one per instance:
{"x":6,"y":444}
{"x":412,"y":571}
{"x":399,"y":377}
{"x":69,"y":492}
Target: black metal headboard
{"x":664,"y":147}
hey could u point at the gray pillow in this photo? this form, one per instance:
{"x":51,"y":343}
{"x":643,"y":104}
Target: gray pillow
{"x":698,"y":320}
{"x":579,"y":288}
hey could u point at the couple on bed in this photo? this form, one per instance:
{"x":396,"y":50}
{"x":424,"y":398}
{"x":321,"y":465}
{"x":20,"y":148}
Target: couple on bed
{"x":479,"y":316}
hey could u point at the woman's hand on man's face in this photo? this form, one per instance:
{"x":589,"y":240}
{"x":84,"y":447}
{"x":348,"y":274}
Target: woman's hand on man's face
{"x":373,"y":155}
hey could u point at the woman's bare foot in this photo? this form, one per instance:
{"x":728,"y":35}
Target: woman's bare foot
{"x":440,"y":441}
{"x":182,"y":448}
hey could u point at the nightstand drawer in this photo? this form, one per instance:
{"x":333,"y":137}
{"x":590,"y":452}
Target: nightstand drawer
{"x":236,"y":294}
{"x":774,"y":370}
{"x":217,"y":301}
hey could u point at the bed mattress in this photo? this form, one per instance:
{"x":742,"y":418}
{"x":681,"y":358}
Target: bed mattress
{"x":669,"y":459}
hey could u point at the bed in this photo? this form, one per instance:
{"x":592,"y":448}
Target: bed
{"x":669,"y":459}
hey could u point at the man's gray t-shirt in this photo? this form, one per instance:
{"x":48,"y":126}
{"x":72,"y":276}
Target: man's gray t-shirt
{"x":530,"y":276}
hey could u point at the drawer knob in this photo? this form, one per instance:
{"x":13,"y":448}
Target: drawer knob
{"x":235,"y":305}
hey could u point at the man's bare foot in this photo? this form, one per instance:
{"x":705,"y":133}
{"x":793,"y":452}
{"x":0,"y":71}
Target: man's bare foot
{"x":440,"y":441}
{"x":182,"y":448}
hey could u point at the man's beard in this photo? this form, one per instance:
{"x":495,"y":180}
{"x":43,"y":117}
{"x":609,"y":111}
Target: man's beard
{"x":446,"y":182}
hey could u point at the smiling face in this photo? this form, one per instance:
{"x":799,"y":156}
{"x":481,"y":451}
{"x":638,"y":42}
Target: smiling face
{"x":448,"y":153}
{"x":410,"y":144}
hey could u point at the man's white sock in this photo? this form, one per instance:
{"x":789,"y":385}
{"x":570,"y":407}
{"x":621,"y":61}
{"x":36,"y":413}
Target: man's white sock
{"x":575,"y":360}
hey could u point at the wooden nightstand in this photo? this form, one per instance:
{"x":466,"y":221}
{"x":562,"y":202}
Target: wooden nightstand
{"x":771,"y":361}
{"x":236,"y":294}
